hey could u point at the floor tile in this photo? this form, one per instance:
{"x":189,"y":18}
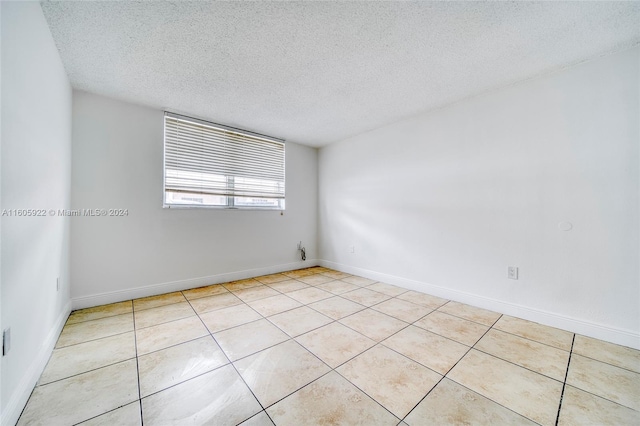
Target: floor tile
{"x":423,"y":299}
{"x":318,"y":269}
{"x":388,"y":289}
{"x":95,"y":329}
{"x":249,"y":338}
{"x":260,"y":419}
{"x":299,"y":273}
{"x":360,"y":281}
{"x":271,"y":279}
{"x":396,"y":382}
{"x":299,"y":320}
{"x":71,"y":360}
{"x":219,"y":397}
{"x":540,"y":333}
{"x":613,"y":383}
{"x":309,"y":295}
{"x":210,"y":290}
{"x":82,"y":397}
{"x":159,"y":300}
{"x":98,"y":312}
{"x":274,"y":305}
{"x":338,"y":287}
{"x":527,"y":393}
{"x":129,"y":415}
{"x":613,"y":354}
{"x":280,"y":370}
{"x":255,"y":293}
{"x":582,"y":408}
{"x":430,"y":350}
{"x":458,"y":329}
{"x":452,"y":404}
{"x":543,"y":359}
{"x":211,"y":303}
{"x":401,"y":309}
{"x":513,"y":375}
{"x":330,"y":400}
{"x":288,"y":286}
{"x":334,"y":343}
{"x":162,"y":314}
{"x":241,"y":284}
{"x":470,"y":313}
{"x":336,"y":307}
{"x":365,"y":297}
{"x":168,"y":334}
{"x":373,"y":324}
{"x":336,"y":275}
{"x":232,"y":316}
{"x":176,"y":364}
{"x":315,"y":279}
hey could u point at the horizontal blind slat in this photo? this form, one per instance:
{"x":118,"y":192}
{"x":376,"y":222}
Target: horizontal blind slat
{"x":205,"y":159}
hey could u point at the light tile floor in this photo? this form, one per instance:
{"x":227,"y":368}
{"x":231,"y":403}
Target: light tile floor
{"x":321,"y":347}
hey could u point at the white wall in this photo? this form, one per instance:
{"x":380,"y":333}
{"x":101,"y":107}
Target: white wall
{"x":36,"y":170}
{"x":118,"y":163}
{"x":445,"y":201}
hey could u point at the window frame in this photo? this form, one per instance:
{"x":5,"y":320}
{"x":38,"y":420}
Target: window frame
{"x":230,"y":199}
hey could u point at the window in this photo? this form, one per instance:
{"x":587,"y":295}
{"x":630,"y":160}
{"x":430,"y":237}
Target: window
{"x":209,"y":165}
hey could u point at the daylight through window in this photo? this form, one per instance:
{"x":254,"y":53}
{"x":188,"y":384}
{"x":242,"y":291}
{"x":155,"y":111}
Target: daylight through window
{"x":209,"y":165}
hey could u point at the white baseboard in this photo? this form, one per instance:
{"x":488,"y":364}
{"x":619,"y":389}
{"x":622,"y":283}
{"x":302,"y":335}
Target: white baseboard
{"x":155,"y":289}
{"x":619,"y":336}
{"x":22,"y":392}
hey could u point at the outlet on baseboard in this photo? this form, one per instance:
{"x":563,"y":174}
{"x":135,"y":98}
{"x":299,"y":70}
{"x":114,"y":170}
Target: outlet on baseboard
{"x":512,"y":272}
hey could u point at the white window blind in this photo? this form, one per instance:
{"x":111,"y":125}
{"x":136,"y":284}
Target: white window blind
{"x":210,"y":164}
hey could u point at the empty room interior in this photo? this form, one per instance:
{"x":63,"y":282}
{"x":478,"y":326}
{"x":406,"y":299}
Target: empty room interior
{"x":320,"y":213}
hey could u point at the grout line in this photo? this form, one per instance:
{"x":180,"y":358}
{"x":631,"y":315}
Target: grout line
{"x":174,"y":345}
{"x":87,"y":371}
{"x":97,"y":319}
{"x":517,"y":365}
{"x":162,"y":322}
{"x":564,"y":384}
{"x":371,"y":338}
{"x":448,"y":371}
{"x":491,"y":400}
{"x":94,"y":340}
{"x":607,"y":363}
{"x":467,"y":319}
{"x":160,"y":306}
{"x":135,"y":345}
{"x":362,"y":390}
{"x":602,"y":398}
{"x":232,"y":365}
{"x":531,"y":340}
{"x":183,"y":381}
{"x":301,"y":387}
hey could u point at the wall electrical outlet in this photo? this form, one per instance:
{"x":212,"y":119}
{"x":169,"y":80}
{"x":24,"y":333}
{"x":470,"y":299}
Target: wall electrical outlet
{"x":6,"y":341}
{"x":512,"y":272}
{"x":352,"y":249}
{"x":58,"y":284}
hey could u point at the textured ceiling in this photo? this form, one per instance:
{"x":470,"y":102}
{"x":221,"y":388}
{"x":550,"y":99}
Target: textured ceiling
{"x":318,"y":72}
